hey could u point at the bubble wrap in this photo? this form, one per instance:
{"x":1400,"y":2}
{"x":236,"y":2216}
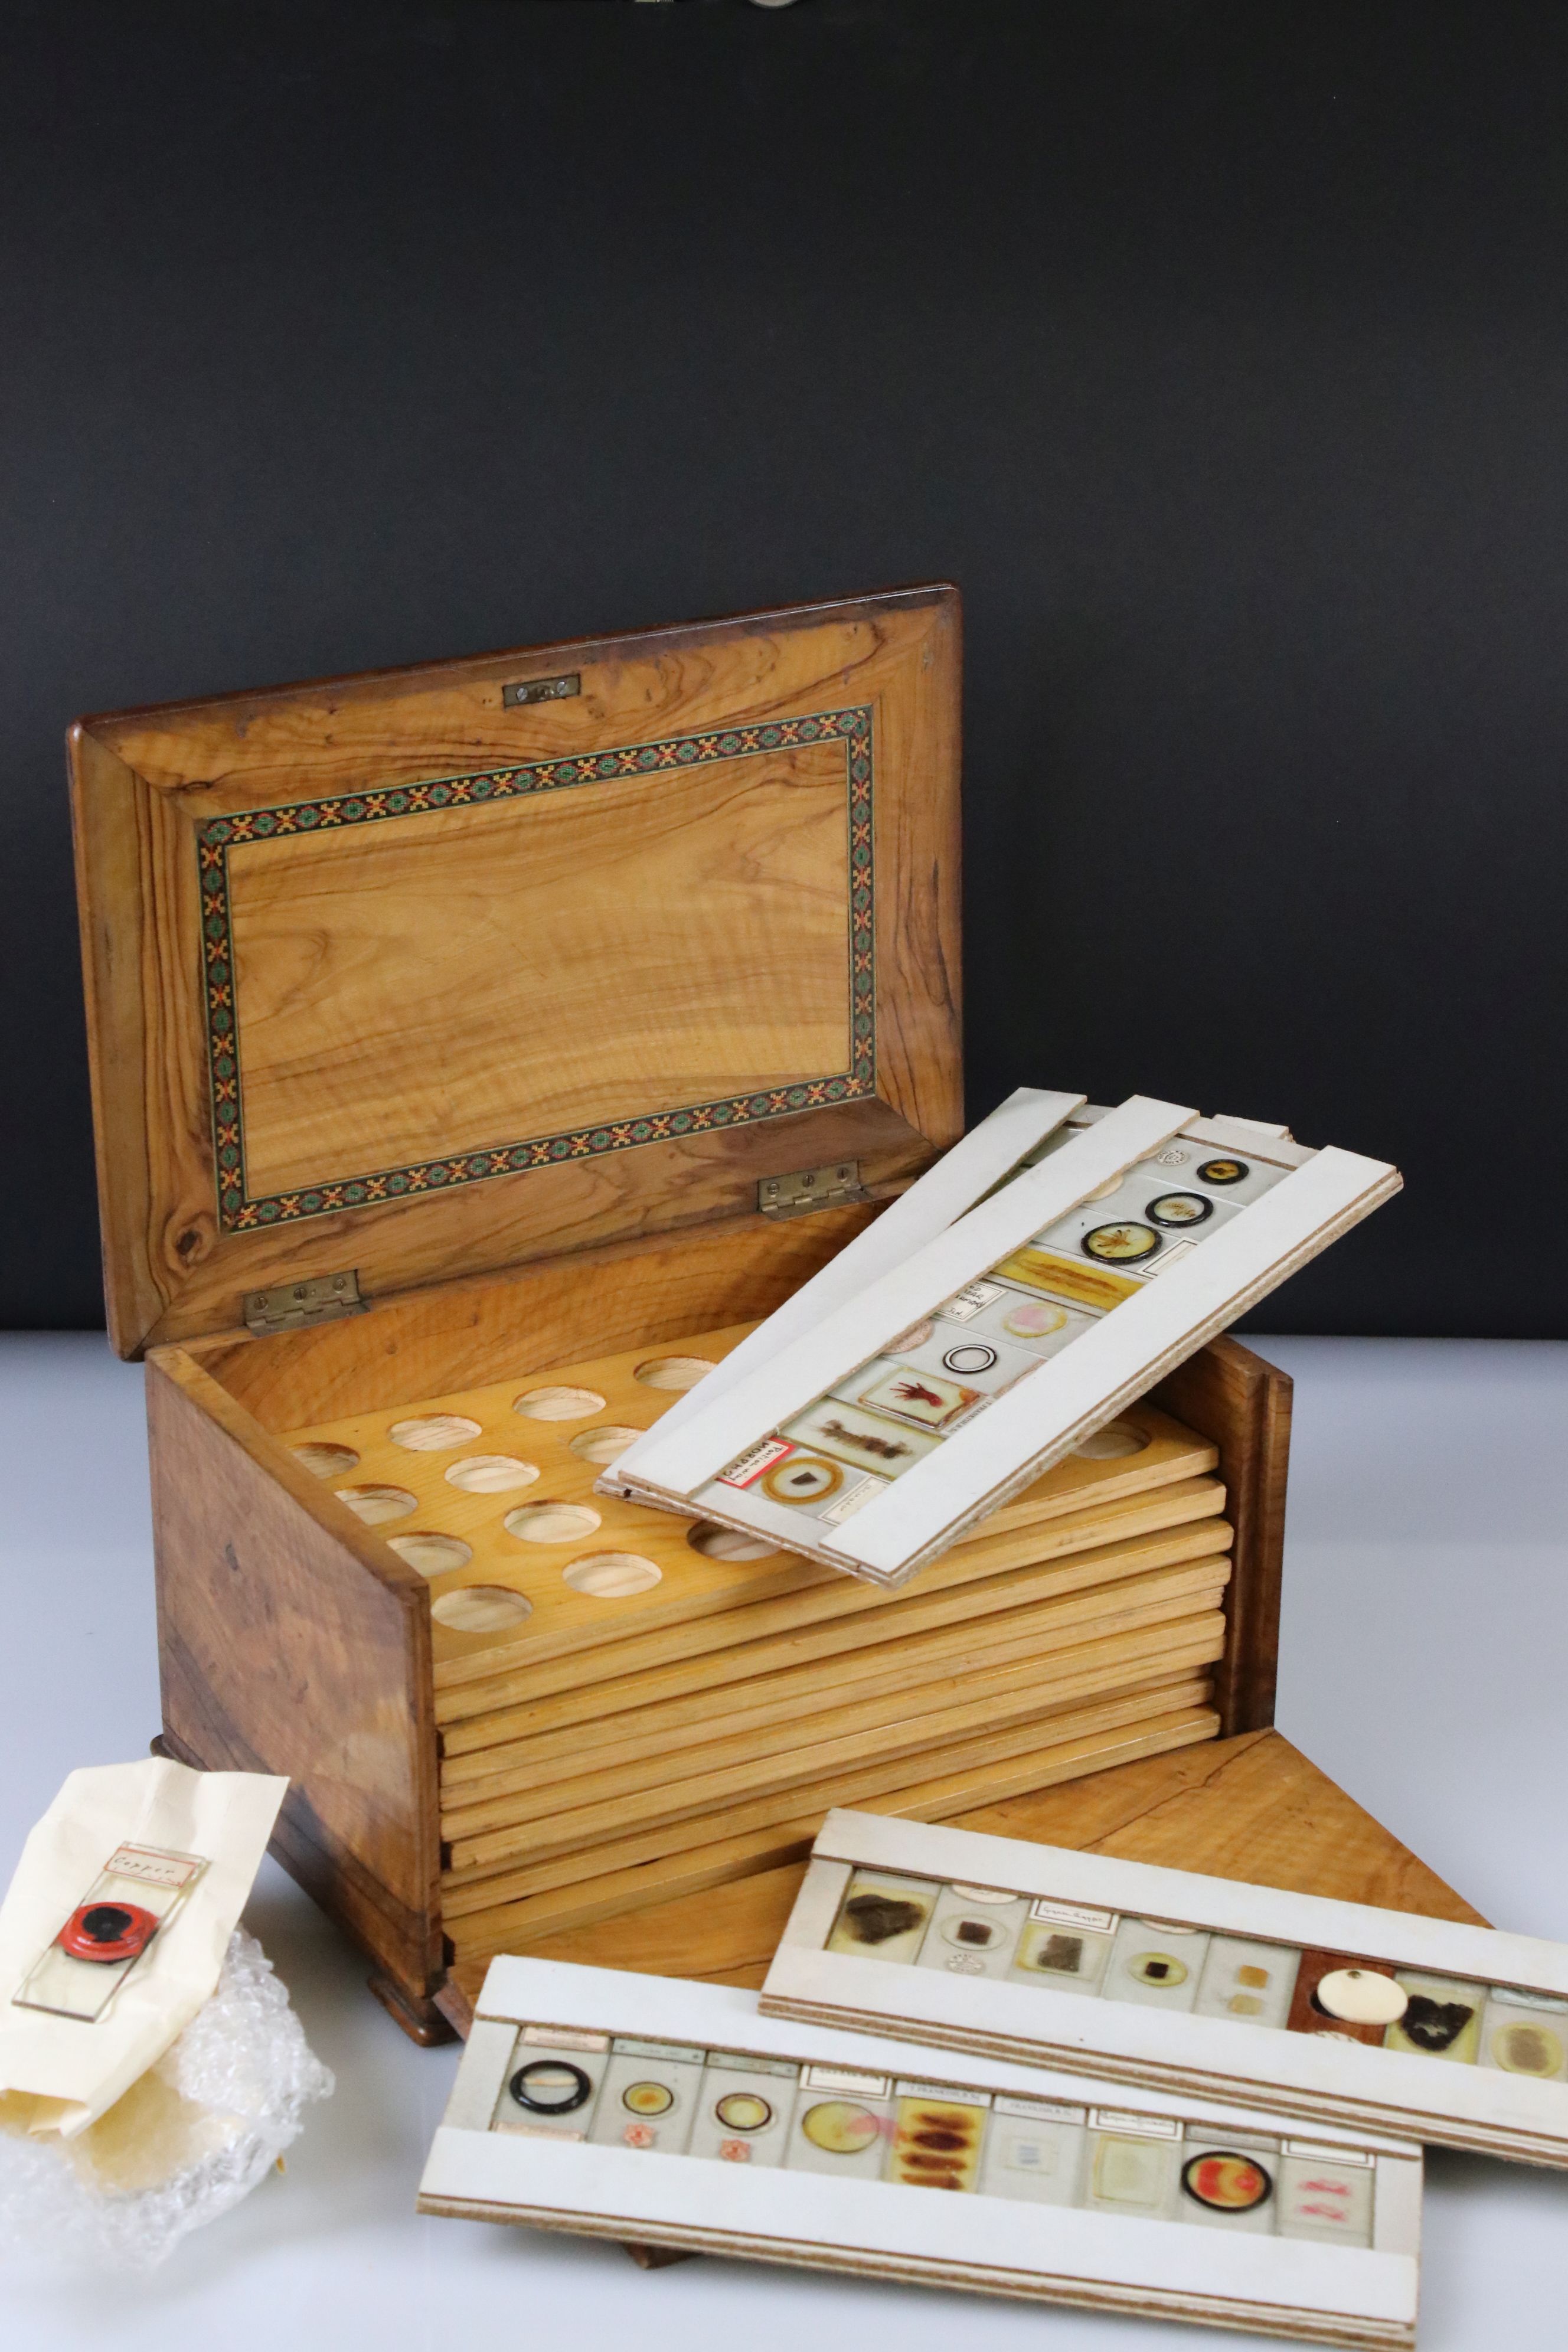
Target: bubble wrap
{"x":188,"y":2140}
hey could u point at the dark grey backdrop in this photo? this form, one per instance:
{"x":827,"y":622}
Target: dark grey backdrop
{"x":1219,"y":352}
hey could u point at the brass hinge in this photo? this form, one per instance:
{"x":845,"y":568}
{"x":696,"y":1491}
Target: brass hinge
{"x":811,"y":1188}
{"x":291,"y":1305}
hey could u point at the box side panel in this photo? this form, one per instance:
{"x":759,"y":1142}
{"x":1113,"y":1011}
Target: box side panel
{"x":919,"y":853}
{"x":145,"y":1045}
{"x":1228,"y":1394}
{"x":282,"y":1649}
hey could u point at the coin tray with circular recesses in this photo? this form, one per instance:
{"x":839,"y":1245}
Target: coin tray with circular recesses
{"x":492,"y":1494}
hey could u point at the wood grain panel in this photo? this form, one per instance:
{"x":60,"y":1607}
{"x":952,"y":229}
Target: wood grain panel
{"x":685,"y":1584}
{"x":465,"y":1890}
{"x":644,"y":1294}
{"x":287,"y":1648}
{"x":728,"y":1935}
{"x":523,"y":1789}
{"x":685,"y":938}
{"x":965,"y":1591}
{"x":1089,"y":1739}
{"x":173,"y":1274}
{"x":258,"y":747}
{"x":650,"y":1725}
{"x":531,"y":1318}
{"x":922,"y":1735}
{"x":1253,"y":1808}
{"x":111,"y":875}
{"x":136,"y":896}
{"x":1244,"y":1405}
{"x":1250,"y":1807}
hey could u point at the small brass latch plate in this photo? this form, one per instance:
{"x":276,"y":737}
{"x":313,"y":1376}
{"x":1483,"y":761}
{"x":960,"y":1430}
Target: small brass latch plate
{"x":541,"y":690}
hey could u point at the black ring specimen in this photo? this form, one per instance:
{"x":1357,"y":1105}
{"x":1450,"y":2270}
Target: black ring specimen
{"x":580,"y":2093}
{"x":973,"y":1356}
{"x":1223,"y":1172}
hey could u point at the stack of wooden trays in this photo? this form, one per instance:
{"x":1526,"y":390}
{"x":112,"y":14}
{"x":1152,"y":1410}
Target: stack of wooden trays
{"x":632,"y":1707}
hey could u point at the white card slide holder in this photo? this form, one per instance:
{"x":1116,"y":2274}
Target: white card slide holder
{"x":674,"y":2113}
{"x":884,"y":1433}
{"x":1338,"y":2013}
{"x":976,"y":1164}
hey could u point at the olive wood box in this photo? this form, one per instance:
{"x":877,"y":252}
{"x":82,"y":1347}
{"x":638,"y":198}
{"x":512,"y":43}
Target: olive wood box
{"x":454,"y":1023}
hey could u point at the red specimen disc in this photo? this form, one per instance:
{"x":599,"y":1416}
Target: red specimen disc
{"x":107,"y":1931}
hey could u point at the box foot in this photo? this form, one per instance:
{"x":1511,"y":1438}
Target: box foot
{"x":420,"y":2020}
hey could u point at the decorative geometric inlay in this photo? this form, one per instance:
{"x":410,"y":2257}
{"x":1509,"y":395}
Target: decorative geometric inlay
{"x":239,"y":1211}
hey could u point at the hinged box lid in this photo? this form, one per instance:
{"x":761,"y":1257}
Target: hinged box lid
{"x":428,"y":971}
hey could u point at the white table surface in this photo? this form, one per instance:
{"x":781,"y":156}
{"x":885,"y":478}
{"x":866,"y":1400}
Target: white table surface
{"x":1425,"y":1659}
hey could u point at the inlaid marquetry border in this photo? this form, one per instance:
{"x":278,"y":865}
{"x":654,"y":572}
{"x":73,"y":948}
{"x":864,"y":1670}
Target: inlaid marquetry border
{"x":240,"y":1211}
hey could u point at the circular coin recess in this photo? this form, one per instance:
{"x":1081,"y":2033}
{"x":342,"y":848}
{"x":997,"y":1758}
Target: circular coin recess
{"x":602,"y":1445}
{"x":612,"y":1575}
{"x":1223,"y":1172}
{"x":1179,"y":1209}
{"x":974,"y":1356}
{"x":376,"y":1504}
{"x":558,"y":1403}
{"x":433,"y":1433}
{"x":1226,"y":2181}
{"x":552,"y":2087}
{"x":491,"y":1474}
{"x":1360,"y":1997}
{"x":325,"y":1461}
{"x":982,"y":1893}
{"x":1117,"y":1438}
{"x":552,"y":1522}
{"x":673,"y":1371}
{"x":431,"y":1553}
{"x":1124,"y":1243}
{"x":481,"y":1609}
{"x":715,"y":1542}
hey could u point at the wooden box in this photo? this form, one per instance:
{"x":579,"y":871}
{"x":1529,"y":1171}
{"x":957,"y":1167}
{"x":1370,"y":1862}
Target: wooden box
{"x":452,"y":1023}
